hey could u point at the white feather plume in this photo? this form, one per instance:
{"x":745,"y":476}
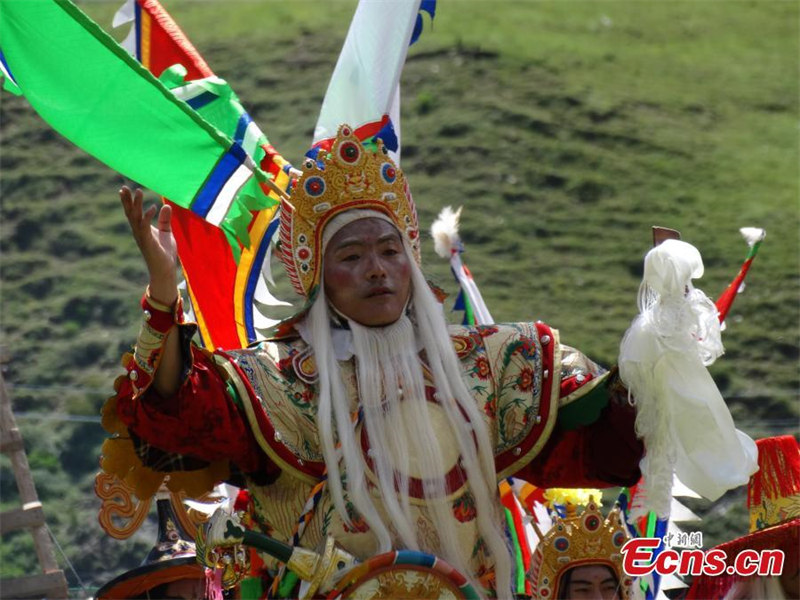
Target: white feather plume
{"x":753,"y":235}
{"x":445,"y":231}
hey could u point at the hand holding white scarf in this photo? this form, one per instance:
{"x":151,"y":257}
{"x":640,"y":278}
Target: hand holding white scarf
{"x":681,"y":415}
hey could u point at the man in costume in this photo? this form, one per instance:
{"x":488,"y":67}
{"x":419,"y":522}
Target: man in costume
{"x":773,"y":497}
{"x":364,"y":418}
{"x":577,"y":554}
{"x":579,"y":558}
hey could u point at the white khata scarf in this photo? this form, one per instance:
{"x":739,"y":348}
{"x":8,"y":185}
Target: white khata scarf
{"x":681,"y":416}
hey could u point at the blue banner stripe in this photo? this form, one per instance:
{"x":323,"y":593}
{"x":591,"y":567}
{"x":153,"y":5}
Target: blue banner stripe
{"x":428,"y":6}
{"x":241,"y":128}
{"x":138,"y":26}
{"x":5,"y":68}
{"x":216,"y":180}
{"x":201,"y":100}
{"x":252,"y":279}
{"x":389,"y":136}
{"x":238,"y":153}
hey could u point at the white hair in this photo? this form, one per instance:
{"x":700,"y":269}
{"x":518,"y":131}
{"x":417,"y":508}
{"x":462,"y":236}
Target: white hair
{"x":388,"y":367}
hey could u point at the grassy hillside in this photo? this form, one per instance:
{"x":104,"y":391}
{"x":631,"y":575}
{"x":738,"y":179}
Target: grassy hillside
{"x":566,"y":129}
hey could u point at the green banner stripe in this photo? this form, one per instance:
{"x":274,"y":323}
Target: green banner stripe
{"x":90,"y":90}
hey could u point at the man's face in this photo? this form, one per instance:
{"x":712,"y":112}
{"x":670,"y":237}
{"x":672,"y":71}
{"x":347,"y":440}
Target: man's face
{"x":367,"y":273}
{"x":591,"y":582}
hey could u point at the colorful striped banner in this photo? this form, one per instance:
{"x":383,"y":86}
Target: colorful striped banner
{"x":223,"y":290}
{"x":96,"y":94}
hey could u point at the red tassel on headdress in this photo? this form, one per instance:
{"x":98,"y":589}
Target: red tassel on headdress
{"x":778,"y":477}
{"x":779,"y":470}
{"x":712,"y":588}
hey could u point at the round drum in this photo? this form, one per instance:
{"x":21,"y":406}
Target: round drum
{"x":403,"y":574}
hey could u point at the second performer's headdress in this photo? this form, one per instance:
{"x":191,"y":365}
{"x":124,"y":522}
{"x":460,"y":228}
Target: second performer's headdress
{"x":578,"y":540}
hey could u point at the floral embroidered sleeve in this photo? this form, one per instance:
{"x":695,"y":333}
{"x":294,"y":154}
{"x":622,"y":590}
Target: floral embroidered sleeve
{"x":558,"y":419}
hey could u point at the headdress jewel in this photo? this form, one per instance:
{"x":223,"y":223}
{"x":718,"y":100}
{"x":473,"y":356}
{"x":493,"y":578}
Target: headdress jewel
{"x":349,"y":176}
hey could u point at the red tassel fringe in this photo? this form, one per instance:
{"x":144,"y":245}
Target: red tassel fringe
{"x":779,"y":470}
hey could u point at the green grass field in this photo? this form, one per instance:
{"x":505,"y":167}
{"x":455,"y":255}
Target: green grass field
{"x":566,"y":129}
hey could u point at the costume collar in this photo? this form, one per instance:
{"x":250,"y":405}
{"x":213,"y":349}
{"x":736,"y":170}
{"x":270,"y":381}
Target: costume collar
{"x":342,"y":335}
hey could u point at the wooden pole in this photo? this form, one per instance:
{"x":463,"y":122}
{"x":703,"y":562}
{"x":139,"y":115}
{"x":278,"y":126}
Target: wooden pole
{"x":52,"y":584}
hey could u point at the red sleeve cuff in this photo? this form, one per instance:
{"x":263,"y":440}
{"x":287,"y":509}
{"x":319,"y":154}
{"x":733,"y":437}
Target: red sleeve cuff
{"x":158,"y":320}
{"x":160,"y":316}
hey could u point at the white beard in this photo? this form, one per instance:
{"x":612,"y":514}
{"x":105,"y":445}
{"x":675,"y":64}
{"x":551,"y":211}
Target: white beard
{"x":398,"y":417}
{"x":403,"y":434}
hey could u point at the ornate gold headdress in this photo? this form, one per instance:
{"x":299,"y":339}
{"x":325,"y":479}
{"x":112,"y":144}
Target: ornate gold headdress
{"x":347,"y":177}
{"x":580,"y":540}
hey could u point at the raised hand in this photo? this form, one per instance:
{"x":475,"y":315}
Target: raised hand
{"x":156,"y":243}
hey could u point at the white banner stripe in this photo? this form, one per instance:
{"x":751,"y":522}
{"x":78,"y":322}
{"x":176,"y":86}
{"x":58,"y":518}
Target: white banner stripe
{"x":125,"y":14}
{"x":252,"y":135}
{"x":227,"y":194}
{"x":479,"y":309}
{"x":367,"y":74}
{"x":264,"y":296}
{"x":260,"y":321}
{"x":189,"y":91}
{"x":6,"y":73}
